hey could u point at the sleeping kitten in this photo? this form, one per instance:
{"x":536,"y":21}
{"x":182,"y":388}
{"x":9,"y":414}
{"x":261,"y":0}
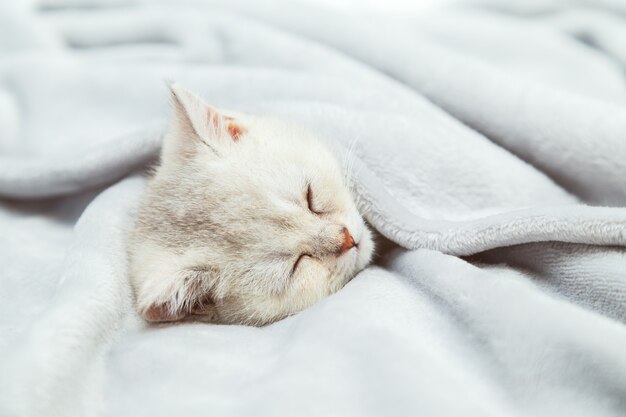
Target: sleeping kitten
{"x":247,"y":220}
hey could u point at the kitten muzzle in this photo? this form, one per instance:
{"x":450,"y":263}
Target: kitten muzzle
{"x":347,"y":243}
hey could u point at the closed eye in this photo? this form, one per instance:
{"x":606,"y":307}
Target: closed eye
{"x":310,"y":201}
{"x":300,"y":258}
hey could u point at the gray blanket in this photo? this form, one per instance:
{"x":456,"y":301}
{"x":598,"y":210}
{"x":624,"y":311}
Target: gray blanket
{"x":487,"y":144}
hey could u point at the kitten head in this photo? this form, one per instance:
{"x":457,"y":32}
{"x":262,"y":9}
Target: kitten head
{"x":247,"y":220}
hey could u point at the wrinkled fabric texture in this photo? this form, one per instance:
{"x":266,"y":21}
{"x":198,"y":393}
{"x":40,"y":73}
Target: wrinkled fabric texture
{"x":485,"y":140}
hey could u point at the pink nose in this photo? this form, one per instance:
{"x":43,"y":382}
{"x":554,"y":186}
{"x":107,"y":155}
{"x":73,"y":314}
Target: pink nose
{"x":348,"y":241}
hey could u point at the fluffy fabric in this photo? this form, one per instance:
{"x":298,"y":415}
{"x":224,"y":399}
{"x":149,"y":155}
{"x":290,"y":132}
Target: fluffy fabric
{"x":489,"y":148}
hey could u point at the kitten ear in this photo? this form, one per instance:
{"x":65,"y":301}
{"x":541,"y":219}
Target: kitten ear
{"x":194,"y":119}
{"x":188,"y":294}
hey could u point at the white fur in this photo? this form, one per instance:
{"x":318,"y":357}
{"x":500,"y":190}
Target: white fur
{"x":226,"y":217}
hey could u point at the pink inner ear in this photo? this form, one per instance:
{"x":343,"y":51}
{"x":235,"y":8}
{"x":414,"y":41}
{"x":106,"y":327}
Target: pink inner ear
{"x":161,"y":312}
{"x":213,"y":117}
{"x":235,"y":130}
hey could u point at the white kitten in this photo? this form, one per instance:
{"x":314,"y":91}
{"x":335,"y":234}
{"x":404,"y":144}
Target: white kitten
{"x":247,"y":220}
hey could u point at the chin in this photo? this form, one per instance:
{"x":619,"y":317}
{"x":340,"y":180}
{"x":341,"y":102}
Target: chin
{"x":364,"y":251}
{"x":360,"y":256}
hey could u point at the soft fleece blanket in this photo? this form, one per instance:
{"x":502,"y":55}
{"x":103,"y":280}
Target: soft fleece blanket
{"x":488,"y":145}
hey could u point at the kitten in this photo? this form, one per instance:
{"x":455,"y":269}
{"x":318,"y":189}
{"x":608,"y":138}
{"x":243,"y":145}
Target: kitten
{"x":247,"y":220}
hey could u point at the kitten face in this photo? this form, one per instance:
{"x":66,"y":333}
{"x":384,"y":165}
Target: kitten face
{"x":247,"y":220}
